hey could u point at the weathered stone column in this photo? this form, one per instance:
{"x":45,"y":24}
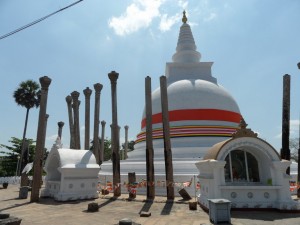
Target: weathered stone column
{"x":44,"y":141}
{"x":60,"y":127}
{"x":149,"y":141}
{"x":35,"y":192}
{"x":126,"y":142}
{"x":102,"y":142}
{"x":98,"y":87}
{"x":87,"y":93}
{"x":45,"y":133}
{"x":167,"y":142}
{"x":76,"y":103}
{"x":298,"y":177}
{"x":71,"y":121}
{"x":112,"y":139}
{"x":285,"y":150}
{"x":113,"y":76}
{"x":131,"y":181}
{"x":24,"y":177}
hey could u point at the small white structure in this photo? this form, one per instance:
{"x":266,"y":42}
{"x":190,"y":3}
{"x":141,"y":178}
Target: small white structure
{"x":247,"y":171}
{"x":71,"y":174}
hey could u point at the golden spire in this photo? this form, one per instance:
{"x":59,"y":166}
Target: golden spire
{"x":184,"y":19}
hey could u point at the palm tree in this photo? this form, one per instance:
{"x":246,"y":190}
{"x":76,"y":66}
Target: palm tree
{"x":26,"y":95}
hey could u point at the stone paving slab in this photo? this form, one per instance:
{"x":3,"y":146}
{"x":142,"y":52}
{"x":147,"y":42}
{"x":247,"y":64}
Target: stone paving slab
{"x":50,"y":212}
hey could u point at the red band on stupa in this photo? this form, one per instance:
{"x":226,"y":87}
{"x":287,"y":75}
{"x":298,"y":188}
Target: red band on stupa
{"x":197,"y":114}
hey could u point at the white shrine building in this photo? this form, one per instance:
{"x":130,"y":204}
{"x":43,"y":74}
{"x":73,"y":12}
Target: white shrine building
{"x":201,"y":112}
{"x":204,"y":126}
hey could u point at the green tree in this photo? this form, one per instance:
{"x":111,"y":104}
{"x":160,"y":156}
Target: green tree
{"x":130,"y":146}
{"x":10,"y":157}
{"x":107,"y":148}
{"x":26,"y":95}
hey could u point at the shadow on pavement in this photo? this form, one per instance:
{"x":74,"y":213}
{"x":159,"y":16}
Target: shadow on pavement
{"x":107,"y":202}
{"x":146,"y":207}
{"x":15,"y":206}
{"x":167,"y":208}
{"x":51,"y":201}
{"x":263,"y":215}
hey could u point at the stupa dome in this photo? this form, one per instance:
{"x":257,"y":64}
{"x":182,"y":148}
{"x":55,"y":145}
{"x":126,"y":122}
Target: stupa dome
{"x":201,"y":112}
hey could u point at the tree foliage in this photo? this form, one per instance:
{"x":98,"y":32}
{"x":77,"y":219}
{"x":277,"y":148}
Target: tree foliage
{"x":294,"y":145}
{"x":27,"y":94}
{"x":107,"y":148}
{"x":130,"y":146}
{"x":10,"y":157}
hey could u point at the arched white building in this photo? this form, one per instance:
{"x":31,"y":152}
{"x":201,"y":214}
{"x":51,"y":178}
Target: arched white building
{"x":71,"y":174}
{"x":247,"y":171}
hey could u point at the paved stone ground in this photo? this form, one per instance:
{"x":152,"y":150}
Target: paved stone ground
{"x":50,"y":212}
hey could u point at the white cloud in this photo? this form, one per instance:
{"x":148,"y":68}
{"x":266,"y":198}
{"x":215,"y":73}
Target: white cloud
{"x":182,"y":4}
{"x":138,"y":15}
{"x":294,"y":129}
{"x":278,"y":136}
{"x":52,"y":137}
{"x":167,"y":22}
{"x":210,"y":17}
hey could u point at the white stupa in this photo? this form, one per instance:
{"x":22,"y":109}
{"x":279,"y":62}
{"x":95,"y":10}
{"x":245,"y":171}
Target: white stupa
{"x":201,"y":112}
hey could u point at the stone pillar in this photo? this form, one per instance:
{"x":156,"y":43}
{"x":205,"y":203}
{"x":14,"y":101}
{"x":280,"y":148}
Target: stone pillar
{"x":149,"y":141}
{"x":60,"y":127}
{"x":71,"y":121}
{"x":76,"y":103}
{"x":35,"y":192}
{"x":126,"y":142}
{"x":112,"y":139}
{"x":87,"y":93}
{"x":24,"y":177}
{"x":44,"y":139}
{"x":131,"y":181}
{"x":45,"y":133}
{"x":167,"y":142}
{"x":42,"y":154}
{"x":285,"y":150}
{"x":113,"y":76}
{"x":298,"y":177}
{"x":98,"y":87}
{"x":102,"y":142}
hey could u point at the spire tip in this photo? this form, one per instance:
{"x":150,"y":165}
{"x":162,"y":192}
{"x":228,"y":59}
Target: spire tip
{"x":184,"y":18}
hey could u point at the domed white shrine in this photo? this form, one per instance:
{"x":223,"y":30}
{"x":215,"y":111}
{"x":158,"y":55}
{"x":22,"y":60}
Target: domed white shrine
{"x":201,"y":113}
{"x":71,"y":174}
{"x":247,"y":171}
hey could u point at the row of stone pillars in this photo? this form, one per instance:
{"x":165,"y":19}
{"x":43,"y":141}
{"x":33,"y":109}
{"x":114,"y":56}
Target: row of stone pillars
{"x":113,"y":76}
{"x":166,"y":136}
{"x":72,"y":103}
{"x":75,"y":134}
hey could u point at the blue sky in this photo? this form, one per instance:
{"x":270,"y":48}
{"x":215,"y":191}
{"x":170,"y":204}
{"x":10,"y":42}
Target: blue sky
{"x":252,"y":44}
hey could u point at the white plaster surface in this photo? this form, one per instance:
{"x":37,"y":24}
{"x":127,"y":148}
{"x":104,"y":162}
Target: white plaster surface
{"x":71,"y":174}
{"x":244,"y":194}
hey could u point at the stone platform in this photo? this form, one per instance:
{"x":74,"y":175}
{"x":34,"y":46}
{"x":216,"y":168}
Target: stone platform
{"x":49,"y":212}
